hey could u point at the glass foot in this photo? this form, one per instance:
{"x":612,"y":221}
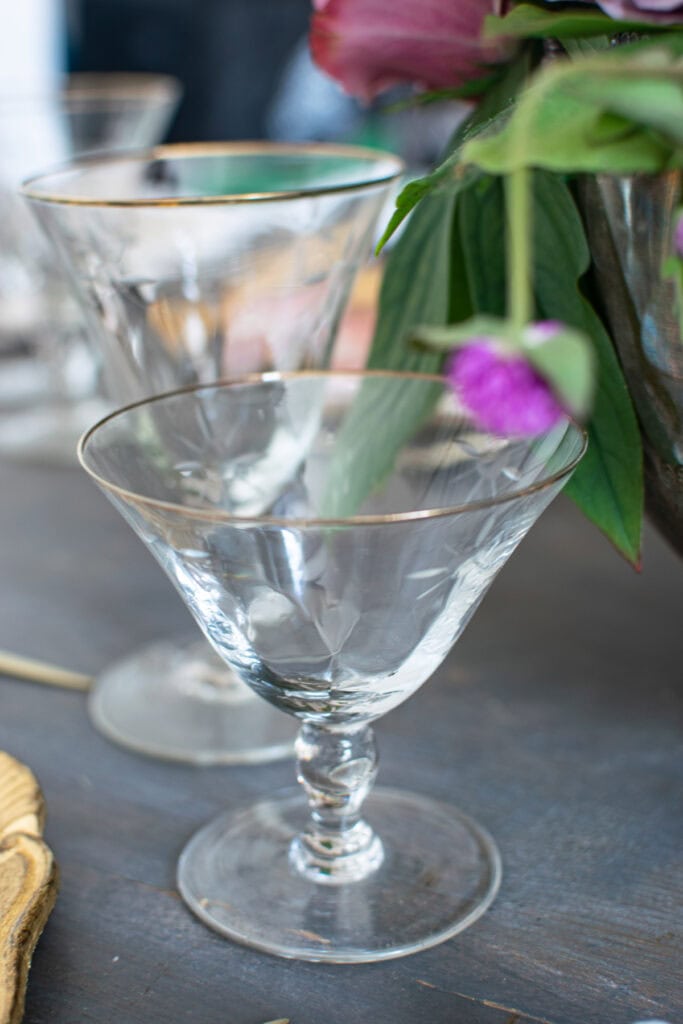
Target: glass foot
{"x":179,"y":702}
{"x":439,"y":873}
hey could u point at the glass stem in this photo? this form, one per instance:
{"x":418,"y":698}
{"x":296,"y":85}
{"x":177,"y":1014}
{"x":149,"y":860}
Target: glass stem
{"x":337,"y":768}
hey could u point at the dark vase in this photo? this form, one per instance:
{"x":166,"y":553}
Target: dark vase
{"x":629,"y":223}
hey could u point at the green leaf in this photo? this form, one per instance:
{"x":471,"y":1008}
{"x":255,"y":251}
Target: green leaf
{"x":531,"y":22}
{"x":415,"y":288}
{"x":584,"y":116}
{"x":608,"y":484}
{"x":425,"y":282}
{"x":451,"y":173}
{"x":569,"y":134}
{"x":578,"y":48}
{"x":407,"y":199}
{"x":566,"y":362}
{"x":449,"y":265}
{"x":455,"y":335}
{"x":655,"y":104}
{"x":482,"y":238}
{"x":372,"y":435}
{"x":426,"y":278}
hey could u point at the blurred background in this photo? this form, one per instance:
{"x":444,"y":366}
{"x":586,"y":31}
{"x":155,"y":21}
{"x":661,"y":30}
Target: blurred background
{"x":244,"y":66}
{"x":230,"y":55}
{"x":245,"y":73}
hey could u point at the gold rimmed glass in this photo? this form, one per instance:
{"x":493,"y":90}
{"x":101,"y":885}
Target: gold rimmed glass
{"x":48,"y":375}
{"x":332,"y":544}
{"x":196,"y":262}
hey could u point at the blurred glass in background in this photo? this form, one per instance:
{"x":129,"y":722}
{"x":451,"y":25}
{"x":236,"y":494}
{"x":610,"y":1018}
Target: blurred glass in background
{"x":245,"y":73}
{"x":49,"y":380}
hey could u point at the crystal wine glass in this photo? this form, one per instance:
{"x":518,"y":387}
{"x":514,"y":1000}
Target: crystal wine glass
{"x":334,"y":586}
{"x":48,"y":378}
{"x":195,"y":262}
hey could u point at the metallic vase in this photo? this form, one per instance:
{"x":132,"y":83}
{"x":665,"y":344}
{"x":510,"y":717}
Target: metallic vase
{"x":629,"y":223}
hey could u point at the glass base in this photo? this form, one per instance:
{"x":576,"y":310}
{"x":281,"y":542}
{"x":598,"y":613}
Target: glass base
{"x":439,"y":873}
{"x":178,"y":701}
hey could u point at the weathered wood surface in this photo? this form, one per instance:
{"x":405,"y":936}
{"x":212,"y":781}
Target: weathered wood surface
{"x":28,"y":882}
{"x":557,"y":723}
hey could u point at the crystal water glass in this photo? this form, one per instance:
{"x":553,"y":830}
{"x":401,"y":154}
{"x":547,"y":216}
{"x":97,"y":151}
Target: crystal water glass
{"x":48,"y":373}
{"x":196,"y":262}
{"x":332,"y":534}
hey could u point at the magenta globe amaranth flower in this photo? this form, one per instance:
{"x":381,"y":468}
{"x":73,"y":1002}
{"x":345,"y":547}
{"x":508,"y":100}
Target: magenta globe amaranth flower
{"x":503,"y":393}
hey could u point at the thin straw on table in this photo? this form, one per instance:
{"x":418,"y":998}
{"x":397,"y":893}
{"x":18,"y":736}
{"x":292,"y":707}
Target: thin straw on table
{"x":40,"y":672}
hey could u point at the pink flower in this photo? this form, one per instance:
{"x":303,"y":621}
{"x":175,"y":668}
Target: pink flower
{"x":502,"y":392}
{"x":652,"y":12}
{"x":371,"y":45}
{"x":542,"y":330}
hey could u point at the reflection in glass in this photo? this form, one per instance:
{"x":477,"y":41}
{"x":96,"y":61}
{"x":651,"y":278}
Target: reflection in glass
{"x":49,"y":388}
{"x":335,"y":585}
{"x":197,"y":262}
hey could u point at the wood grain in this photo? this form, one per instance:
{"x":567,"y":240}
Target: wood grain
{"x":28,"y":882}
{"x":22,"y":808}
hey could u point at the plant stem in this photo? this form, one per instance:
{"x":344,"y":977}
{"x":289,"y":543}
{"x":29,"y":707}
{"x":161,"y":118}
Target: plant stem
{"x":519,"y":246}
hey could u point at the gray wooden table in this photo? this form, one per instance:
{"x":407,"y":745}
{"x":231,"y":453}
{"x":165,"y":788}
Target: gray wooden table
{"x":557,"y":723}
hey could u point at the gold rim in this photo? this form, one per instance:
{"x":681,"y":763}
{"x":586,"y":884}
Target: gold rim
{"x":102,"y":87}
{"x":194,"y":150}
{"x":205,"y":515}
